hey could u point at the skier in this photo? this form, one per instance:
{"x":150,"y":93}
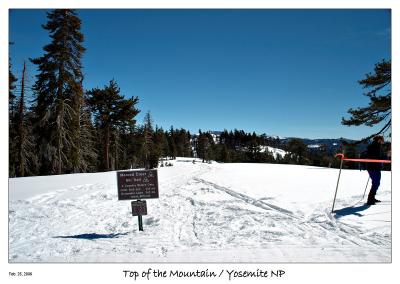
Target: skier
{"x":375,"y":151}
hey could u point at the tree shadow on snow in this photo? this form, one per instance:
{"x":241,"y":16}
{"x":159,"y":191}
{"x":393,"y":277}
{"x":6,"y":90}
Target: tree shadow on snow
{"x":351,"y":211}
{"x":92,"y":236}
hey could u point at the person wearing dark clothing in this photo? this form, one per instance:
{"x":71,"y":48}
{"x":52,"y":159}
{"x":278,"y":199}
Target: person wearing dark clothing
{"x":375,"y":152}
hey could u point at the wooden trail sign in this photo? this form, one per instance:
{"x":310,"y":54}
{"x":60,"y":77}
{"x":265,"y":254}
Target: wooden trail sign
{"x":137,"y":184}
{"x":142,"y":184}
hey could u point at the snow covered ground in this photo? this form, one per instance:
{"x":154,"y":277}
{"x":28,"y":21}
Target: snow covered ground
{"x":205,"y":213}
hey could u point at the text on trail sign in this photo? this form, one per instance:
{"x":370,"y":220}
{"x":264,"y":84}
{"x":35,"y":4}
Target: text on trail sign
{"x":139,"y":208}
{"x":137,"y":184}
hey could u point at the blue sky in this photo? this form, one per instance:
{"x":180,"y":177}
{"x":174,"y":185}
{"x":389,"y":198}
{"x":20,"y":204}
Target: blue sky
{"x":280,"y":72}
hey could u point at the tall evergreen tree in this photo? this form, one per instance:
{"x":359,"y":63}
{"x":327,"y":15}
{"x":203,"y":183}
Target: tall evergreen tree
{"x":253,"y":149}
{"x":188,"y":145}
{"x":298,"y":151}
{"x":22,"y":157}
{"x":204,"y":146}
{"x":158,"y":142}
{"x":164,"y":144}
{"x":112,"y":113}
{"x":172,"y":144}
{"x":58,"y":90}
{"x":87,"y":154}
{"x":148,"y":145}
{"x":224,"y":154}
{"x":379,"y":94}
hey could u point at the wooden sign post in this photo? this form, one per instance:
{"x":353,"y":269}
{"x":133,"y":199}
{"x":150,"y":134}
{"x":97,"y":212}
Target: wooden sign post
{"x":142,"y":184}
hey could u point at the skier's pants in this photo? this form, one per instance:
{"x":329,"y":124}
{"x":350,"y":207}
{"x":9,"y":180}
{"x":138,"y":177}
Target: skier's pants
{"x":376,"y":180}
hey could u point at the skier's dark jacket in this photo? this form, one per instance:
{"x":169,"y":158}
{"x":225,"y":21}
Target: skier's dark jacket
{"x":375,"y":152}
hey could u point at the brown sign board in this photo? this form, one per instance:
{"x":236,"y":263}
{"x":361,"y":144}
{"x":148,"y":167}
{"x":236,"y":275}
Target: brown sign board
{"x":140,"y":184}
{"x":139,"y":207}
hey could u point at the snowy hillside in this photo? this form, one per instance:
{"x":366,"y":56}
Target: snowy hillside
{"x":274,"y":151}
{"x":205,"y":213}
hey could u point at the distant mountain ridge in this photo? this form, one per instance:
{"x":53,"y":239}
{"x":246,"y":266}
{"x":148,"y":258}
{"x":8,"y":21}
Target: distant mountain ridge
{"x":332,"y":144}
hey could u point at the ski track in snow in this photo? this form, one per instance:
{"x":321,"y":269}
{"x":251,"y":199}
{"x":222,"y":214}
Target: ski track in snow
{"x":193,"y":220}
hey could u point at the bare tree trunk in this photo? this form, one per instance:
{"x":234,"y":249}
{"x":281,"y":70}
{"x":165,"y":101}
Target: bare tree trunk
{"x":59,"y":119}
{"x":21,"y":131}
{"x":116,"y":142}
{"x":106,"y":149}
{"x":60,"y":124}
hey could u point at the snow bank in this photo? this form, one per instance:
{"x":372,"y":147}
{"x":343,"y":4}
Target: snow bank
{"x":274,"y":151}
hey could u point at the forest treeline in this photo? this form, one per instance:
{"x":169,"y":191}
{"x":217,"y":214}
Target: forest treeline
{"x":66,"y":129}
{"x":240,"y":147}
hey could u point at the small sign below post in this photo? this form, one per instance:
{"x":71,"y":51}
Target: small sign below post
{"x":139,"y":208}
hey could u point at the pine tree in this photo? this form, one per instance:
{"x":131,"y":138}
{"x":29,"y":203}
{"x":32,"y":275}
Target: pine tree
{"x":379,"y":93}
{"x":298,"y":151}
{"x":253,"y":148}
{"x":172,"y":144}
{"x":112,"y":114}
{"x":188,"y":145}
{"x":157,"y":151}
{"x":22,"y":157}
{"x":164,"y":144}
{"x":58,"y":90}
{"x":224,"y":155}
{"x":87,"y":153}
{"x":210,"y":147}
{"x":148,"y":145}
{"x":204,"y":146}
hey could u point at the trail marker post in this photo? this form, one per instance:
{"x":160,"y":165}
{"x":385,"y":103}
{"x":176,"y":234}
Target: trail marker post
{"x":140,"y":184}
